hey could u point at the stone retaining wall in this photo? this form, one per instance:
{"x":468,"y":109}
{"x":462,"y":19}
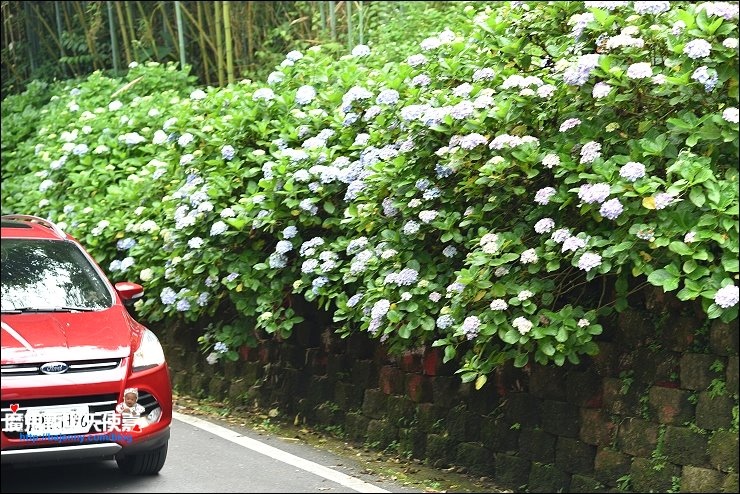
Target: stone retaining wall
{"x":654,"y":411}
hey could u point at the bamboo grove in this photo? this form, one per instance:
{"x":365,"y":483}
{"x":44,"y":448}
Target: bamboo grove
{"x":221,"y":41}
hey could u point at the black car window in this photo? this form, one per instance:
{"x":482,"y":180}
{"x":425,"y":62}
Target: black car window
{"x":39,"y":274}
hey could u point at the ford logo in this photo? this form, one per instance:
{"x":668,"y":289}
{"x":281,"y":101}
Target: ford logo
{"x":54,"y":368}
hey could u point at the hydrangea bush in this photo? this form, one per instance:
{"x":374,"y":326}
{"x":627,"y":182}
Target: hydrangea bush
{"x":461,"y":196}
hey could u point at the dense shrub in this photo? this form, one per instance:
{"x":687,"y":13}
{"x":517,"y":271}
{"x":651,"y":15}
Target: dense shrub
{"x":461,"y":196}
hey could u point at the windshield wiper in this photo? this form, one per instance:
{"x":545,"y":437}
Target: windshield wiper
{"x":20,"y":310}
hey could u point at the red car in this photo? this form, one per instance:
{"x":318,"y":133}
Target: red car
{"x":81,"y":379}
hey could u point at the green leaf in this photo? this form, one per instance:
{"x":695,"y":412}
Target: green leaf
{"x":547,"y":348}
{"x":511,"y":336}
{"x":661,"y":277}
{"x":696,"y":195}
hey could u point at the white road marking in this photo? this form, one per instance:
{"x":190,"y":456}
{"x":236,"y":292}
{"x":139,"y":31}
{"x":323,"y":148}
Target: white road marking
{"x":278,"y":454}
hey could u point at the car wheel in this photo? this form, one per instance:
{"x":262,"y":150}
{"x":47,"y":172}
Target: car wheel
{"x":148,"y":463}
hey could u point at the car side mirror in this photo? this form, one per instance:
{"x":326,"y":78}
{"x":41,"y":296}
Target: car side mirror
{"x":129,"y":292}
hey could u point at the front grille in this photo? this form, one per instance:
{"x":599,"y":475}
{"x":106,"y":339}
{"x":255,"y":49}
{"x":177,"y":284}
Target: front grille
{"x":34,"y":369}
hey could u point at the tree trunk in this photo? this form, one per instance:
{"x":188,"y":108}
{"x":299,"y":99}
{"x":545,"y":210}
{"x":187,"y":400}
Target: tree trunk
{"x":219,"y":45}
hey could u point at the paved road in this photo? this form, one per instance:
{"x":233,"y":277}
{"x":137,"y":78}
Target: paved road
{"x":212,"y":456}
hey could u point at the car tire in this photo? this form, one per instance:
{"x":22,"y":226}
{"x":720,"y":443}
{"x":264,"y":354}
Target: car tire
{"x":148,"y":463}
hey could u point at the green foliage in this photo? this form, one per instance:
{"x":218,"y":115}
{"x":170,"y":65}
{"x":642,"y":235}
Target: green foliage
{"x":475,"y":191}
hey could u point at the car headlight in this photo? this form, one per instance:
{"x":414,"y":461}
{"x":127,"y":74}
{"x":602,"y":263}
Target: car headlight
{"x":149,"y":354}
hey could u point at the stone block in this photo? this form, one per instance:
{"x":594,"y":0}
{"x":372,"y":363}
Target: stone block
{"x":537,"y":445}
{"x":697,"y":479}
{"x":683,"y":446}
{"x":597,"y":427}
{"x":356,"y":424}
{"x":610,"y":465}
{"x":374,"y":404}
{"x":439,"y":450}
{"x":512,"y":471}
{"x":620,"y":399}
{"x":583,"y":483}
{"x":574,"y":456}
{"x":731,"y":375}
{"x":670,"y":405}
{"x":198,"y":385}
{"x":723,"y":451}
{"x":498,"y":435}
{"x":585,"y":389}
{"x":714,"y":412}
{"x":522,"y":408}
{"x":723,"y":338}
{"x":680,"y":332}
{"x":547,"y":383}
{"x":606,"y":362}
{"x":695,"y":371}
{"x":432,"y":363}
{"x":483,"y":401}
{"x":731,"y":483}
{"x":637,"y":437}
{"x":547,"y":478}
{"x":217,"y":387}
{"x":364,"y":374}
{"x":635,"y":328}
{"x":475,"y":458}
{"x":410,"y":361}
{"x":455,"y":423}
{"x":328,"y":413}
{"x":251,"y":371}
{"x":431,"y":417}
{"x":412,"y":441}
{"x":348,"y":396}
{"x":380,"y":433}
{"x":445,"y":390}
{"x":418,"y":388}
{"x":337,"y":366}
{"x":320,"y":389}
{"x":644,"y":477}
{"x":360,"y":347}
{"x":391,"y":380}
{"x":400,"y":410}
{"x":238,"y":390}
{"x":560,"y":418}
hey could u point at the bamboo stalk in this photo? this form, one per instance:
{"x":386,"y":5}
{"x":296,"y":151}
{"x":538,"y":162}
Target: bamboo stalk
{"x":180,"y":34}
{"x":113,"y":39}
{"x":149,"y":31}
{"x":360,"y":14}
{"x":322,"y":13}
{"x":199,"y":26}
{"x":124,"y":34}
{"x":333,"y":19}
{"x":202,"y":44}
{"x":219,"y":45}
{"x":46,"y":25}
{"x":166,"y":26}
{"x":348,"y":5}
{"x":132,"y":33}
{"x":250,"y":31}
{"x":30,"y":35}
{"x":58,"y":16}
{"x":89,"y":39}
{"x":227,"y":40}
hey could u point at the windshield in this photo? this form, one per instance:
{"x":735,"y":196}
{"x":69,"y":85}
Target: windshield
{"x":49,"y":274}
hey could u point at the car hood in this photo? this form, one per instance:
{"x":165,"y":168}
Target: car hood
{"x":65,"y":336}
